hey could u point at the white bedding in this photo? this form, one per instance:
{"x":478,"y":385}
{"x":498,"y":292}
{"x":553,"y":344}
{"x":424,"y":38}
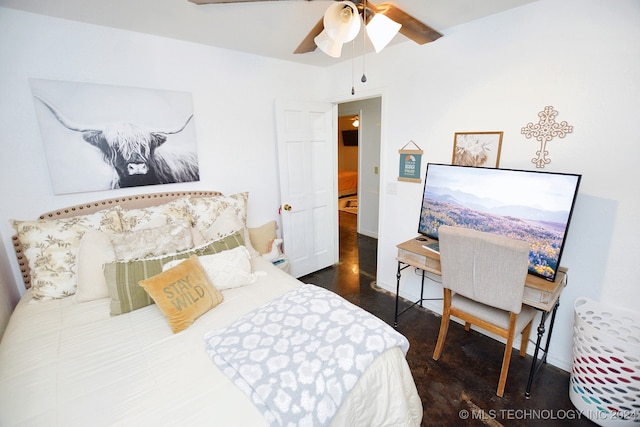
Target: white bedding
{"x":73,"y":364}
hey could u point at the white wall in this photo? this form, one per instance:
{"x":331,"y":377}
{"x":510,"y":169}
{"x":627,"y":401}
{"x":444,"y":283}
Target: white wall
{"x":233,"y":96}
{"x":580,"y":56}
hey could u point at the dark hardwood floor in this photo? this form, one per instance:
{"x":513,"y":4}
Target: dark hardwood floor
{"x":460,"y":388}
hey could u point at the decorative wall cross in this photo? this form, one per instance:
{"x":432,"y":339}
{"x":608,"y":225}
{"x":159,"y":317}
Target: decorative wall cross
{"x":544,"y":131}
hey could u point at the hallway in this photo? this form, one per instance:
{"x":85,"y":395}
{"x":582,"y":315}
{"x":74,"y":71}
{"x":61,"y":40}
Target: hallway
{"x":459,"y":389}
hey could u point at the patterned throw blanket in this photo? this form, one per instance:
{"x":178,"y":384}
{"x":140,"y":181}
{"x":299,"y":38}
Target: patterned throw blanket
{"x":298,"y":356}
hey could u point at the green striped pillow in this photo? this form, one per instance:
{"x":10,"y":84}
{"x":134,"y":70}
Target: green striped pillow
{"x":123,"y":277}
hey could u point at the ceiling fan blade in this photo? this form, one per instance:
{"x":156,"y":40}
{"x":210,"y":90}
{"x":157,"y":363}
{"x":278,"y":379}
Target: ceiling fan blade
{"x":411,"y":27}
{"x":308,"y":44}
{"x":226,"y":1}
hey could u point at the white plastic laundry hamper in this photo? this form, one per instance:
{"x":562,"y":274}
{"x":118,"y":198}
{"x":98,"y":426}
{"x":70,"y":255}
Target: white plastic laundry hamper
{"x":605,"y":378}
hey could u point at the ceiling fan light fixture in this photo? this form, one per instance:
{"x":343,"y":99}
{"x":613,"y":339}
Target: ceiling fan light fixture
{"x":328,"y":45}
{"x":381,"y":30}
{"x":342,"y":21}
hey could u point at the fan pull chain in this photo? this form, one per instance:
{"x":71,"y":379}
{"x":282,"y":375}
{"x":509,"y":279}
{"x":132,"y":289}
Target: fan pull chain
{"x":363,"y":79}
{"x":353,"y":68}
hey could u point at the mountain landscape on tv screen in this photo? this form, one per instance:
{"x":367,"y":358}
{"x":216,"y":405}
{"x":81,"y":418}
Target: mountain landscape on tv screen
{"x":491,"y":206}
{"x":542,"y":229}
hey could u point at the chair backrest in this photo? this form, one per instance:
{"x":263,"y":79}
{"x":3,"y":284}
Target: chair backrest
{"x":484,"y":267}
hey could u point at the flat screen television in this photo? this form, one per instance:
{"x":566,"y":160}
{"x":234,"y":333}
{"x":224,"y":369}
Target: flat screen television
{"x":350,"y":138}
{"x":526,"y":205}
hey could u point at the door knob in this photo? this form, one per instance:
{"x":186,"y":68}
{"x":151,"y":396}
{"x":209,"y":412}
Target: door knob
{"x":286,"y":207}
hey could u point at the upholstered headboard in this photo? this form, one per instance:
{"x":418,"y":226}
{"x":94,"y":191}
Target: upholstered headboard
{"x":127,"y":202}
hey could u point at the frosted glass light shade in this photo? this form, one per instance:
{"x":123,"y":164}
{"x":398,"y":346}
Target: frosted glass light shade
{"x":381,"y":30}
{"x":342,"y":21}
{"x":328,"y":45}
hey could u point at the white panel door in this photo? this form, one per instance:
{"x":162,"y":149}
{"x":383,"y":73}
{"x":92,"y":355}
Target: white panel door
{"x":309,"y":213}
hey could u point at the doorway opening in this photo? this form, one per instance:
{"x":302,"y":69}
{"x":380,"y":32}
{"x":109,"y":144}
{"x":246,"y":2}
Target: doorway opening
{"x":359,"y":160}
{"x":348,"y":140}
{"x":359,"y":139}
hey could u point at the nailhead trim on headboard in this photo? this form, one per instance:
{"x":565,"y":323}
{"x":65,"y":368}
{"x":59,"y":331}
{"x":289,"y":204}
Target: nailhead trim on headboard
{"x":127,"y":202}
{"x":22,"y":262}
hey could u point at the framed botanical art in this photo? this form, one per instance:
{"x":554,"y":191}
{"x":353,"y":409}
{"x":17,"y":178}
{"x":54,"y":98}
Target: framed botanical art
{"x":477,"y":149}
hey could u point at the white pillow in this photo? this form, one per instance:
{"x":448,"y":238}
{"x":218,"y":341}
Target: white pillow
{"x":95,"y":251}
{"x":227,"y":269}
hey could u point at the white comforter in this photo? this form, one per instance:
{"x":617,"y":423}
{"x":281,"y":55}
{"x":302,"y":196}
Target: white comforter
{"x":68,"y":364}
{"x":299,"y":356}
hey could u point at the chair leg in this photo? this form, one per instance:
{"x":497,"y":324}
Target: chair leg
{"x":467,"y":326}
{"x":526,"y":332}
{"x":444,"y":324}
{"x":442,"y":335}
{"x":507,"y":355}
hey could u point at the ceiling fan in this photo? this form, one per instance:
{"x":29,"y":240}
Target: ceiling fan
{"x":410,"y":26}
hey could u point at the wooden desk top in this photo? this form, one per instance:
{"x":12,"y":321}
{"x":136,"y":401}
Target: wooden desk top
{"x":539,"y":293}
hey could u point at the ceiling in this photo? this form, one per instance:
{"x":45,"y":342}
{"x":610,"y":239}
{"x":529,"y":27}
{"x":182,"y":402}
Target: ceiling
{"x":270,"y":28}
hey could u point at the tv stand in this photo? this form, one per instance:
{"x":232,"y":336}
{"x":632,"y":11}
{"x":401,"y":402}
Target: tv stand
{"x":539,"y":293}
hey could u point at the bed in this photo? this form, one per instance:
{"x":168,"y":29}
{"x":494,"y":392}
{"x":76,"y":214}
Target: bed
{"x":347,"y":183}
{"x":84,"y":357}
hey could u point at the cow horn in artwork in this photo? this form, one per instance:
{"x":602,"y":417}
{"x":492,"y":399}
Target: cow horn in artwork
{"x":65,"y":121}
{"x":179,"y":130}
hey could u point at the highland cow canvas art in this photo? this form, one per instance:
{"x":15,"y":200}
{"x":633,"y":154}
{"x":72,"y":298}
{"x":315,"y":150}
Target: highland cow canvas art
{"x":100,"y":137}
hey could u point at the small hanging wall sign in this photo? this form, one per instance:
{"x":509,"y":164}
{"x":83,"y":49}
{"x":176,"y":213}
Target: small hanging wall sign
{"x":410,"y":161}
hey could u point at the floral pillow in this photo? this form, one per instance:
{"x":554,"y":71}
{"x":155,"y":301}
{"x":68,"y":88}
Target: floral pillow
{"x":216,"y":216}
{"x":175,"y":211}
{"x":51,"y":247}
{"x":151,"y":242}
